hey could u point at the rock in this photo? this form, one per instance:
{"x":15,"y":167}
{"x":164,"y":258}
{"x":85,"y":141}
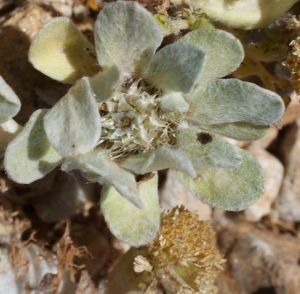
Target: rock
{"x":63,"y":7}
{"x":28,"y":19}
{"x":175,"y":194}
{"x":10,"y":283}
{"x":292,"y":112}
{"x":24,"y":275}
{"x":288,"y":201}
{"x":274,"y":171}
{"x":258,"y":261}
{"x":41,"y":262}
{"x":80,"y":12}
{"x":265,"y":141}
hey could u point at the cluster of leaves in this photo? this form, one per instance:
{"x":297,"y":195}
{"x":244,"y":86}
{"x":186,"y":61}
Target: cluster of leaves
{"x":167,"y":107}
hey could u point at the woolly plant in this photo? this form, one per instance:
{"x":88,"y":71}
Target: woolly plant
{"x":137,"y":107}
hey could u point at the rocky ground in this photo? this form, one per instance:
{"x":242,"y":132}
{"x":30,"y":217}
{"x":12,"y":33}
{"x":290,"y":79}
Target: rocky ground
{"x":53,"y":238}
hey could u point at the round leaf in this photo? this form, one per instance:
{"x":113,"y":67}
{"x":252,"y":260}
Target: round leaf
{"x":62,"y":52}
{"x":176,"y":67}
{"x":30,"y":156}
{"x":231,"y":100}
{"x":127,"y":35}
{"x":228,"y":189}
{"x":128,"y":223}
{"x":223,"y":52}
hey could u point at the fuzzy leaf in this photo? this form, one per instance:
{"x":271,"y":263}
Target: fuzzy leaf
{"x":206,"y":149}
{"x":231,"y":100}
{"x":8,"y":131}
{"x":237,"y":130}
{"x":9,"y":102}
{"x":101,"y":169}
{"x":173,"y":102}
{"x":176,"y":67}
{"x":30,"y":156}
{"x":244,"y":14}
{"x":105,"y":83}
{"x":159,"y":159}
{"x":73,"y":125}
{"x":128,"y":223}
{"x":223,"y":51}
{"x":126,"y":35}
{"x":228,"y":189}
{"x":62,"y":52}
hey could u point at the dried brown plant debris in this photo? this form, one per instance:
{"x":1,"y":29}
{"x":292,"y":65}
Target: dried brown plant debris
{"x":67,"y":251}
{"x":293,"y":59}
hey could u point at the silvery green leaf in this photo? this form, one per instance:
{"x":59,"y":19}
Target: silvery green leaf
{"x":207,"y":149}
{"x":231,"y":100}
{"x":237,"y":130}
{"x":9,"y":102}
{"x":228,"y":188}
{"x":62,"y":52}
{"x":73,"y":125}
{"x":30,"y":155}
{"x":128,"y":223}
{"x":100,"y":168}
{"x":127,"y":35}
{"x":244,"y":14}
{"x":159,"y":159}
{"x":105,"y":83}
{"x":173,"y":102}
{"x":8,"y":131}
{"x":176,"y":67}
{"x":223,"y":51}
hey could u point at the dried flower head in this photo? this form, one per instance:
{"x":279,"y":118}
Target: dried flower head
{"x":185,"y":247}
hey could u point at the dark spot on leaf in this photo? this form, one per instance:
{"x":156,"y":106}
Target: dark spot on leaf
{"x":73,"y":145}
{"x":204,"y":138}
